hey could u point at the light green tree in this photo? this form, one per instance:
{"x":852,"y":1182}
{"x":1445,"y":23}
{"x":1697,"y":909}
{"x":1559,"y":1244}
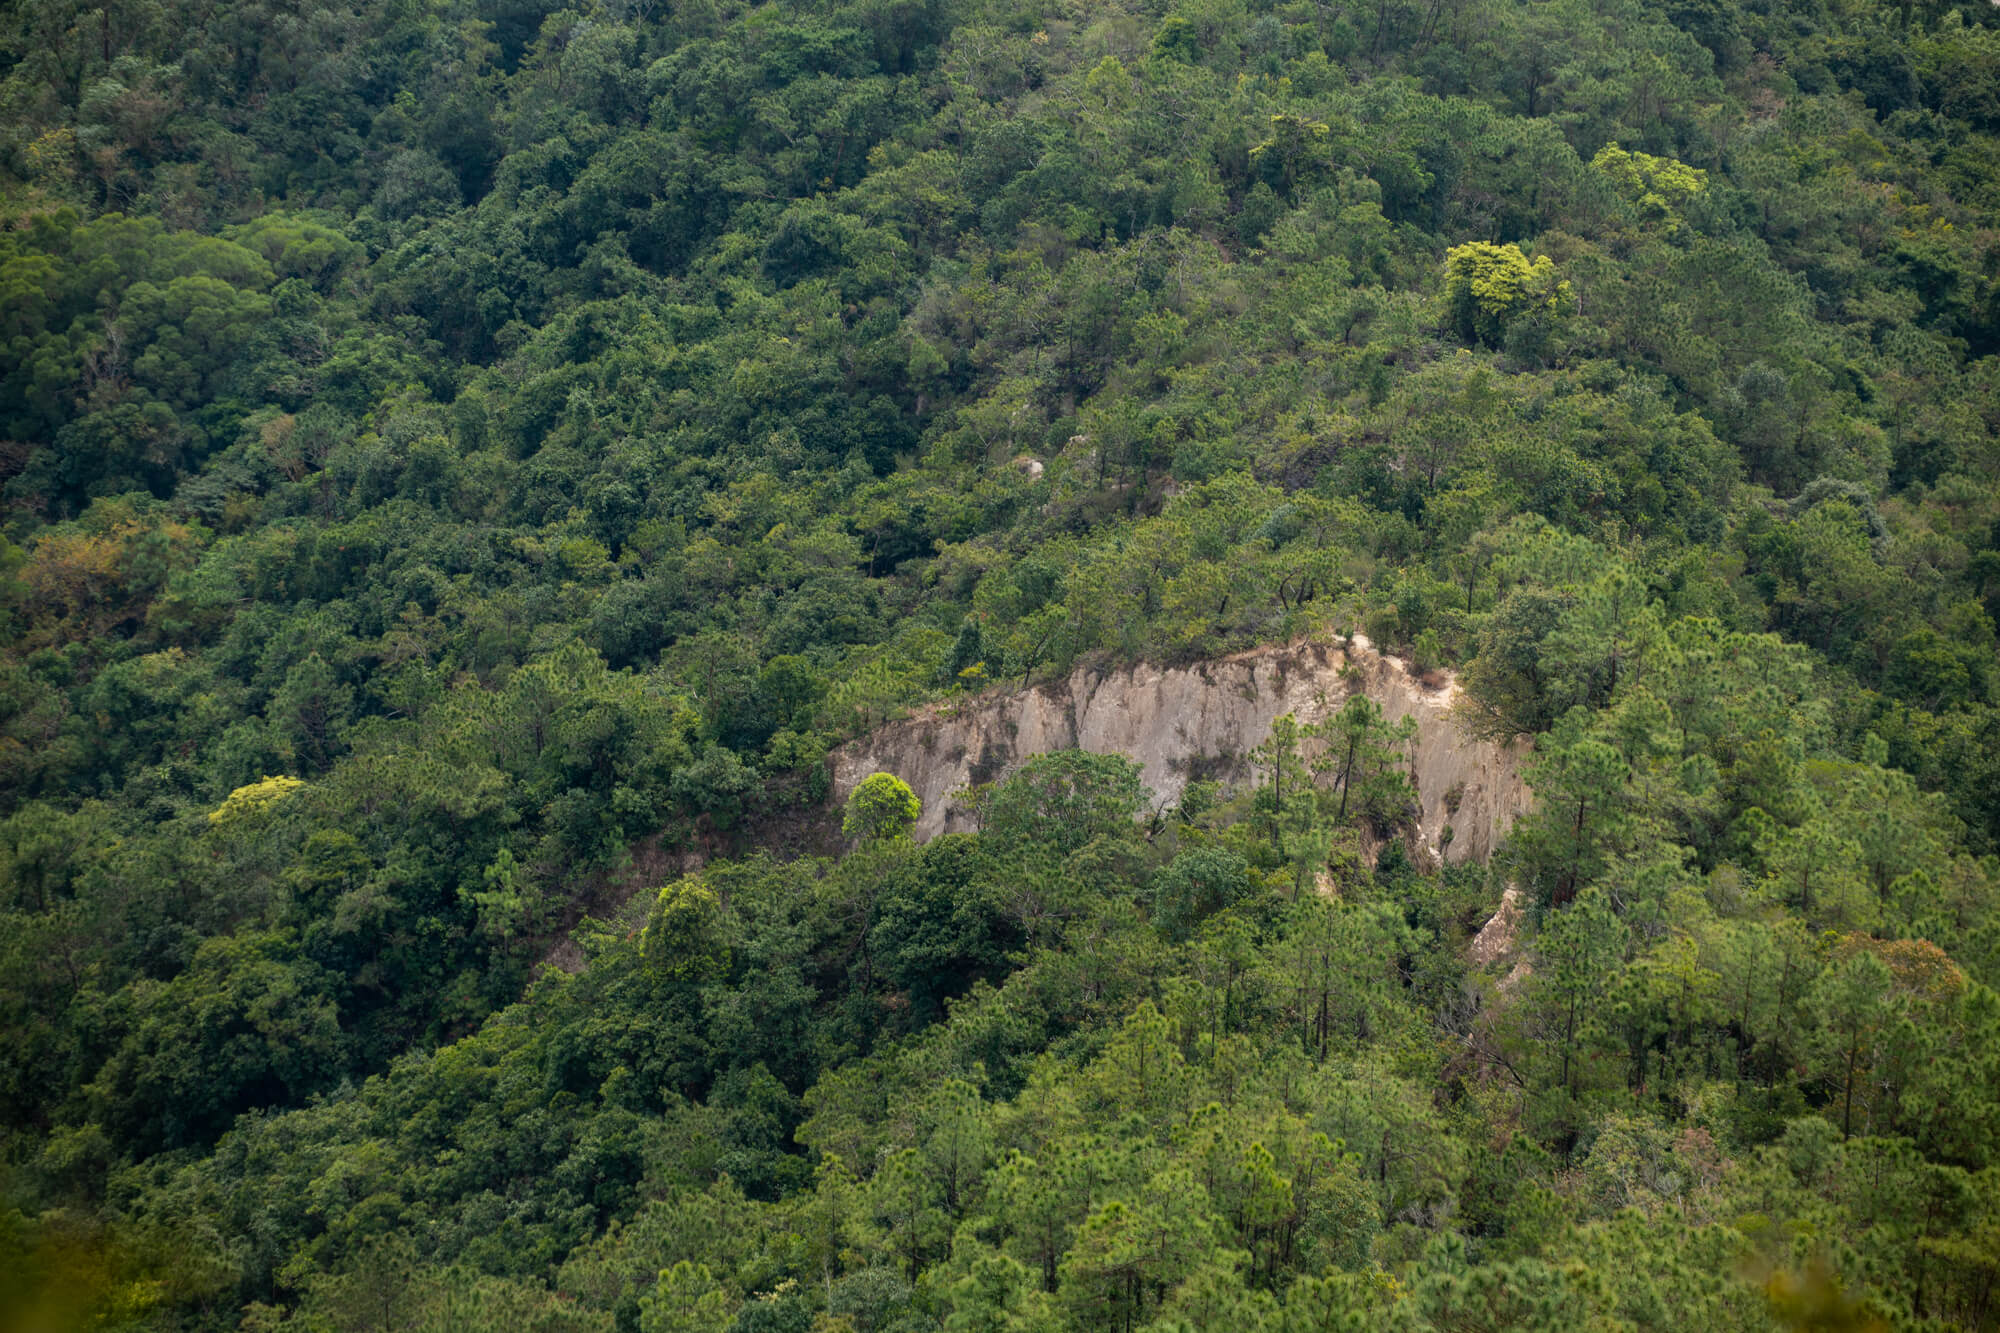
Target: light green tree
{"x":1658,"y":186}
{"x":685,"y":940}
{"x":882,"y":808}
{"x":1487,"y":286}
{"x":686,"y":1299}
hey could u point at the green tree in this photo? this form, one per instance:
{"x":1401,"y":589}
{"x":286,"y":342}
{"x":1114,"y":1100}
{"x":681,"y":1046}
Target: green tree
{"x":1580,"y":947}
{"x":686,"y":1299}
{"x":1129,"y":1253}
{"x":1365,"y":759}
{"x":1851,"y":1007}
{"x":1280,"y":757}
{"x":881,"y":808}
{"x":1196,"y":884}
{"x":1488,"y":287}
{"x":686,"y":939}
{"x":1064,"y":800}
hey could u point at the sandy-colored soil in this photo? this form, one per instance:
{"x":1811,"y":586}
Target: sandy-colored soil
{"x":1200,"y":721}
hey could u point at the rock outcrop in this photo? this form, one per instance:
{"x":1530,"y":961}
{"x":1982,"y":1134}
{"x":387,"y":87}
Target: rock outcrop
{"x":1201,"y":721}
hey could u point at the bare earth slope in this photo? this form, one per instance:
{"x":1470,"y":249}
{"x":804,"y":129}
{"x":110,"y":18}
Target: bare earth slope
{"x":1195,"y":721}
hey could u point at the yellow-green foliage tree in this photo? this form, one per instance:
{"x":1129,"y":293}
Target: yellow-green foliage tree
{"x":1658,"y":186}
{"x":1487,"y":287}
{"x":881,"y":809}
{"x":253,"y":800}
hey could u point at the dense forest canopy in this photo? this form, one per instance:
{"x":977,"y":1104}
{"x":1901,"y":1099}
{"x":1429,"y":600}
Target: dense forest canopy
{"x":462,"y":461}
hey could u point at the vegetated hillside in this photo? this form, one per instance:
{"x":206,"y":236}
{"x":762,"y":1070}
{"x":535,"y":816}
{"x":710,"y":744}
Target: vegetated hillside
{"x":446,"y":446}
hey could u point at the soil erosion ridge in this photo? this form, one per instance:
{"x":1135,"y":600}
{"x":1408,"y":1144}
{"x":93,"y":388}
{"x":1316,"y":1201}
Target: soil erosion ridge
{"x":1201,"y":721}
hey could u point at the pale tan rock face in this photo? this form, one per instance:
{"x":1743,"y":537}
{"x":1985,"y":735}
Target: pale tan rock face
{"x":1496,"y":939}
{"x":1200,"y":720}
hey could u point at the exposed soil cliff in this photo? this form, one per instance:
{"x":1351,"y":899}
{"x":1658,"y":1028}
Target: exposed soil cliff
{"x":1199,"y":721}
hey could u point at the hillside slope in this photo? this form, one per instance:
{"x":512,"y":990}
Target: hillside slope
{"x":467,"y":469}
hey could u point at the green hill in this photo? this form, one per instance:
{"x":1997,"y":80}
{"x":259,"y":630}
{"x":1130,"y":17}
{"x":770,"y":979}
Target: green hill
{"x":459,"y":457}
